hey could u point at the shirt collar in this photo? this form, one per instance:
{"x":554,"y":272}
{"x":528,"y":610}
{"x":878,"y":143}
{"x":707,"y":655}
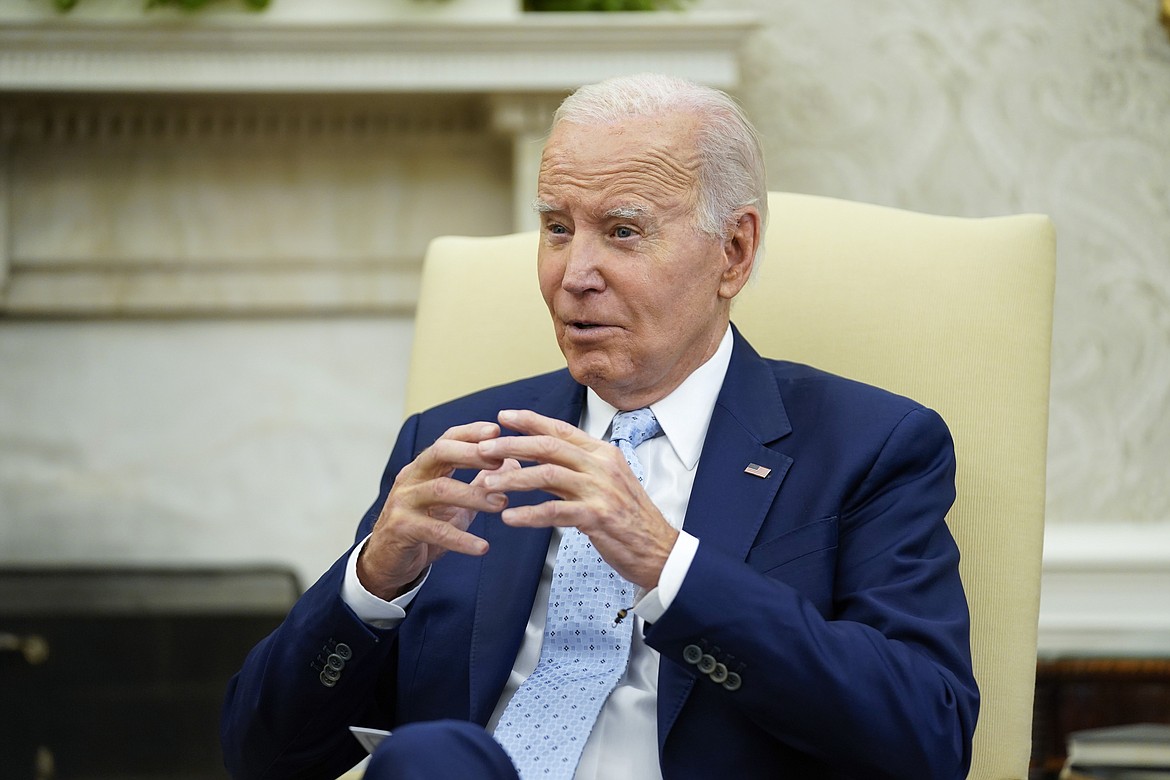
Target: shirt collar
{"x":684,"y":415}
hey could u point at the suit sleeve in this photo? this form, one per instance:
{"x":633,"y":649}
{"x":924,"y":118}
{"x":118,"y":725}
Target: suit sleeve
{"x":875,"y":682}
{"x":288,"y":710}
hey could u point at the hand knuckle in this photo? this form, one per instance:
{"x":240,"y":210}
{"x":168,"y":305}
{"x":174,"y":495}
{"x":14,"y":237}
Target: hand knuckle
{"x":614,"y":467}
{"x":544,"y":445}
{"x":442,"y":489}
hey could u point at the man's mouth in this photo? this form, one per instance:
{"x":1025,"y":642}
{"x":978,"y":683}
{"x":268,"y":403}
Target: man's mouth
{"x":586,"y":329}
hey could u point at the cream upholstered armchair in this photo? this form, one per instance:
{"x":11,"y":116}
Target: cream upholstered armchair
{"x":956,"y":313}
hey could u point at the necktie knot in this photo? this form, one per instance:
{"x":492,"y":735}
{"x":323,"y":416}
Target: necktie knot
{"x":635,"y":426}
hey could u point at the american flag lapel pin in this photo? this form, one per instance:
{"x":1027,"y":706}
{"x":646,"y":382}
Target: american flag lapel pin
{"x":757,"y":470}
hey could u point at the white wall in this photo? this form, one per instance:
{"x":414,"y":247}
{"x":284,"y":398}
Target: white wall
{"x":194,"y":442}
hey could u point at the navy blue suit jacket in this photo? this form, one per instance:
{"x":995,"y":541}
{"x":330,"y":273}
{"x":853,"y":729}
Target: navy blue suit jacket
{"x":830,"y":586}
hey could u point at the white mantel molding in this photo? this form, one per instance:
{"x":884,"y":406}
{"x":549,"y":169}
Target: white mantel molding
{"x":535,"y":52}
{"x":1105,"y":590}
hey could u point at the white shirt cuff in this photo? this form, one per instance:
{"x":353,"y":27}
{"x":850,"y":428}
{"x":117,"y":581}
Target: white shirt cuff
{"x":654,"y":604}
{"x":371,"y":609}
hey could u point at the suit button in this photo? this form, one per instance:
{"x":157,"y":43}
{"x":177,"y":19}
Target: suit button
{"x":331,"y":674}
{"x":692,"y":654}
{"x":327,"y":681}
{"x":707,"y":663}
{"x":343,"y":650}
{"x":335,"y":661}
{"x":733,"y":681}
{"x":719,"y":673}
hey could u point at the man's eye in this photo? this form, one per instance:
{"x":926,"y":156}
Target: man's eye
{"x":556,"y":229}
{"x":624,"y":232}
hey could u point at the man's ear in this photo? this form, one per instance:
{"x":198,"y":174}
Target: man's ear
{"x":739,"y":252}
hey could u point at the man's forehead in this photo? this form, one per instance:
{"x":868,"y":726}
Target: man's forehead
{"x":662,"y":149}
{"x":610,"y":176}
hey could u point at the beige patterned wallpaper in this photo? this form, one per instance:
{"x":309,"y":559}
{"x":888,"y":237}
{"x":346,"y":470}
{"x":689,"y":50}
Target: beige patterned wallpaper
{"x":981,"y":109}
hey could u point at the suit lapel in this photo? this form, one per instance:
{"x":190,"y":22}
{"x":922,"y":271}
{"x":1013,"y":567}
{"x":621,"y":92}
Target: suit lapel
{"x":727,"y":504}
{"x":513,"y":567}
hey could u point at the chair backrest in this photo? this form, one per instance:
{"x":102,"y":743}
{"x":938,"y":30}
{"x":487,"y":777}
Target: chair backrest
{"x":955,"y":313}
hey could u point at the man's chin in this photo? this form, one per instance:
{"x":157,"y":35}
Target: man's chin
{"x":589,"y":367}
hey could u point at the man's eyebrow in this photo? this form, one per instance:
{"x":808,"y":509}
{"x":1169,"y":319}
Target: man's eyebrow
{"x":628,"y":212}
{"x":631,"y":211}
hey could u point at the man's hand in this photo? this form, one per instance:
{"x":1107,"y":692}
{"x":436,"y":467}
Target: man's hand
{"x":600,"y":495}
{"x":427,"y":512}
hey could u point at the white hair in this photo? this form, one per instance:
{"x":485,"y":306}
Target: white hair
{"x":731,"y":162}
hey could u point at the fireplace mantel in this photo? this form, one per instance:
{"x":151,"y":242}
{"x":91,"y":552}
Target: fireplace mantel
{"x":534,"y":52}
{"x":102,"y":80}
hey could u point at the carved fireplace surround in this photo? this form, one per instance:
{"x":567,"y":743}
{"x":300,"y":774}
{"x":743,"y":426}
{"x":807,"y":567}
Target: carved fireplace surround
{"x":154,"y":102}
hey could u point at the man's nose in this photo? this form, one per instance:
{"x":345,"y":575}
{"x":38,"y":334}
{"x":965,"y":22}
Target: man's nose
{"x":583,"y":266}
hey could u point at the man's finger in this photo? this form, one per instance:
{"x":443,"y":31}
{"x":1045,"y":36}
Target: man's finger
{"x":438,"y":533}
{"x":558,"y":480}
{"x":458,"y":448}
{"x":509,"y":464}
{"x":422,"y":532}
{"x":537,"y":448}
{"x":445,"y":491}
{"x":528,"y":422}
{"x":563,"y":514}
{"x":473,"y":431}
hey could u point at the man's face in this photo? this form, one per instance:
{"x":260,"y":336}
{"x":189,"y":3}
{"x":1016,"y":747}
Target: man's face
{"x":639,"y":296}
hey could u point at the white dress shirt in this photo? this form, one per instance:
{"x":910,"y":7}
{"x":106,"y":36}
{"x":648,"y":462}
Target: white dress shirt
{"x":624,"y":741}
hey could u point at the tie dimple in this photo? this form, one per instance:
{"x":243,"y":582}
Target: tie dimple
{"x":629,"y":429}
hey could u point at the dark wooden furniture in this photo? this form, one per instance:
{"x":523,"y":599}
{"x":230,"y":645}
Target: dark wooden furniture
{"x":1085,"y":693}
{"x":120,"y":673}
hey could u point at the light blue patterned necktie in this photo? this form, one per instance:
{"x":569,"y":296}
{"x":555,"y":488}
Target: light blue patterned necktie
{"x":546,"y":724}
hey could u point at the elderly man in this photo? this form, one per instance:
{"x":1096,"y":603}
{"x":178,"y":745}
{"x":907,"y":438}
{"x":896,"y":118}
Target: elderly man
{"x":756,"y":581}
